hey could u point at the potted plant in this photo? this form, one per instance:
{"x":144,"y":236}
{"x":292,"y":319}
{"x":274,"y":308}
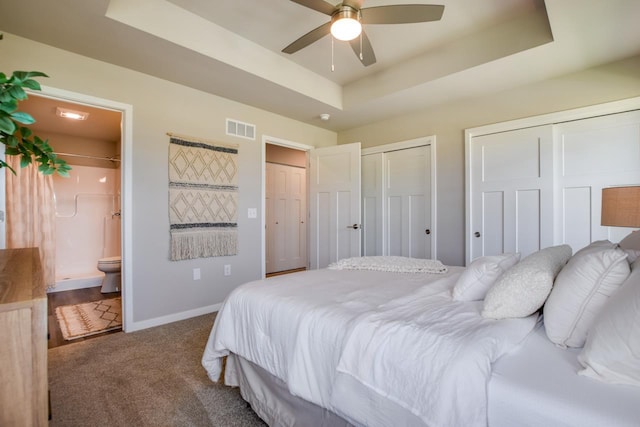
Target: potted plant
{"x":14,"y":133}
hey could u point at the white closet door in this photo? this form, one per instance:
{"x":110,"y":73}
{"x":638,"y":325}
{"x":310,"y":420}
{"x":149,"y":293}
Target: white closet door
{"x":592,"y":154}
{"x":285,"y":217}
{"x":511,"y":187}
{"x":407,"y":195}
{"x":372,"y":204}
{"x":334,"y":201}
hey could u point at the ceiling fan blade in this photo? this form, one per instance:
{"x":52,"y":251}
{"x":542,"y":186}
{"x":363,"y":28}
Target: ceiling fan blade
{"x":402,"y":14}
{"x":317,"y":5}
{"x":311,"y":37}
{"x":368,"y":57}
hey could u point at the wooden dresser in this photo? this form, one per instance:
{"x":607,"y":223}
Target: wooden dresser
{"x":23,"y":339}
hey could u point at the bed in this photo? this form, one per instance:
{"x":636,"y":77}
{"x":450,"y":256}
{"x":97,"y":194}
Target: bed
{"x":358,"y":344}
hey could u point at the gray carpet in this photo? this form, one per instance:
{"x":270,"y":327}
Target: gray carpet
{"x":146,"y":378}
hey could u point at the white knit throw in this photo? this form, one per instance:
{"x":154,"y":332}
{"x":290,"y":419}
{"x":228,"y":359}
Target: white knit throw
{"x":397,"y":264}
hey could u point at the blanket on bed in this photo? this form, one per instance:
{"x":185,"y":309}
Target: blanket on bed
{"x":396,"y":264}
{"x":347,"y":340}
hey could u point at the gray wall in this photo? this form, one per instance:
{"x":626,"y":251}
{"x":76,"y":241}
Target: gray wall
{"x":162,"y":288}
{"x":447,"y":122}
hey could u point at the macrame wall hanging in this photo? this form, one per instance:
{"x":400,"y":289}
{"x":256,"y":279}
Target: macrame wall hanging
{"x":203,"y":198}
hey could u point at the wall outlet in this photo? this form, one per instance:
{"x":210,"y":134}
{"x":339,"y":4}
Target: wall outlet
{"x":227,"y":270}
{"x":252,"y":213}
{"x":196,"y":274}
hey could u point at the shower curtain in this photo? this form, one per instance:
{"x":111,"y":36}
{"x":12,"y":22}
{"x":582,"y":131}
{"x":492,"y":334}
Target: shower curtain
{"x":31,"y":214}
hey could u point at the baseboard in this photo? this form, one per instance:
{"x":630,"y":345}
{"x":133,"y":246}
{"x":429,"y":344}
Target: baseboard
{"x":163,"y":320}
{"x":79,"y":283}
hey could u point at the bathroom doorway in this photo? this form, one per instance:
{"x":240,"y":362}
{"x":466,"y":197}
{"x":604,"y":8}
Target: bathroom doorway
{"x":88,"y":203}
{"x":286,"y":217}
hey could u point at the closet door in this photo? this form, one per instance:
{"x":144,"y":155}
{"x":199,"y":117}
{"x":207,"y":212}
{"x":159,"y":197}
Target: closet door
{"x":372,"y":204}
{"x":592,"y":154}
{"x":511,"y":192}
{"x":285,"y":217}
{"x":407,"y":195}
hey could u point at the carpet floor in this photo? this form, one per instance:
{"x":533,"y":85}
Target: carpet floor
{"x":151,"y":377}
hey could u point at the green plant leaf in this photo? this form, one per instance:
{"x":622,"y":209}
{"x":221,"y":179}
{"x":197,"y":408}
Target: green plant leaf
{"x":25,"y":132}
{"x":17,"y":93}
{"x":11,"y":151}
{"x":7,"y":125}
{"x":12,"y":141}
{"x":25,"y":161}
{"x":31,"y":84}
{"x":22,"y":117}
{"x":9,"y":106}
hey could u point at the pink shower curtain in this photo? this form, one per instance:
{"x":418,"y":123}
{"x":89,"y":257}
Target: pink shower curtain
{"x":31,"y":216}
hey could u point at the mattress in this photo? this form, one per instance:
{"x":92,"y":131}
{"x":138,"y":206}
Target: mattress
{"x":538,"y":385}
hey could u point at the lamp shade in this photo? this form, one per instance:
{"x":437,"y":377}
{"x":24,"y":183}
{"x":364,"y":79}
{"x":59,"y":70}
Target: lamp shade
{"x":621,"y":206}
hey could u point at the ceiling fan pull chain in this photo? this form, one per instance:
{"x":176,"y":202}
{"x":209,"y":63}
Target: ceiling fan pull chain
{"x":359,"y":18}
{"x":333,"y":68}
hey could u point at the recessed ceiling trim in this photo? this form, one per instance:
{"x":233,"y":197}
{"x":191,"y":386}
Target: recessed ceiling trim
{"x":172,"y":23}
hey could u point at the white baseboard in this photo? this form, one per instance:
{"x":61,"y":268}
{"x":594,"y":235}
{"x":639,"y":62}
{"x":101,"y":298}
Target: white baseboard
{"x":163,"y":320}
{"x":79,"y":283}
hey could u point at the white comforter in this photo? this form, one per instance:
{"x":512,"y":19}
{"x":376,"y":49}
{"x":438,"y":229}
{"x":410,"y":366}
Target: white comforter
{"x":346,"y":339}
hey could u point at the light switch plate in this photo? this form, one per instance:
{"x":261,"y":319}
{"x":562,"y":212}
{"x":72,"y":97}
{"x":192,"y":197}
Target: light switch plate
{"x":252,"y":213}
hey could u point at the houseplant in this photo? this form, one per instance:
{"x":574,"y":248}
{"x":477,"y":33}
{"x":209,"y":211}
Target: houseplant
{"x":14,"y":133}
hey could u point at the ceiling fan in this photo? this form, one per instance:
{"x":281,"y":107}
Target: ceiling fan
{"x":348,"y":17}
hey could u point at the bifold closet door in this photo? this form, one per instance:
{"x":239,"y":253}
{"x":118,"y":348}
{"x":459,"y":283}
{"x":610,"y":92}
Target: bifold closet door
{"x":372,"y":205}
{"x":511,"y":190}
{"x":285,"y":217}
{"x":593,"y":154}
{"x":407,"y":199}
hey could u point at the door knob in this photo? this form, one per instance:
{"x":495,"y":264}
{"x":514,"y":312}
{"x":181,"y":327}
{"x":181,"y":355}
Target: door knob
{"x":354,"y":226}
{"x":477,"y":234}
{"x":427,"y":231}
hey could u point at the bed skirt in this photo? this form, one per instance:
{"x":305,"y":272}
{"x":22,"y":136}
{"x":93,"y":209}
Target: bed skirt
{"x":269,"y":397}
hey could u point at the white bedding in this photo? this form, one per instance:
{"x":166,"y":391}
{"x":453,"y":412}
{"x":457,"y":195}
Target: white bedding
{"x":306,"y":327}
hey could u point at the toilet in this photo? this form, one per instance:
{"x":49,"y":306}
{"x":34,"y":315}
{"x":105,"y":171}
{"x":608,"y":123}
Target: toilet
{"x":111,"y":269}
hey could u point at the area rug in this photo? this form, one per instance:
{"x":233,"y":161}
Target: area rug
{"x":81,"y":320}
{"x":203,"y":198}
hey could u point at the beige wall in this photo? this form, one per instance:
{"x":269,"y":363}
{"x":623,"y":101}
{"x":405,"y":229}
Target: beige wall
{"x":447,"y":122}
{"x":162,"y":288}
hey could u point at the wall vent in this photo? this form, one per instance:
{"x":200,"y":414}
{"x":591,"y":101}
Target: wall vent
{"x":241,"y":129}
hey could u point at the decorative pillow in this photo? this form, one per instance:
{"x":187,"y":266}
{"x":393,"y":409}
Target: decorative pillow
{"x":580,"y":291}
{"x":612,"y":350}
{"x":631,"y":245}
{"x":479,"y":276}
{"x":523,"y":288}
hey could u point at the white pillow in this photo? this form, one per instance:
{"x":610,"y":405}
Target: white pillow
{"x":480,"y":275}
{"x":631,"y":245}
{"x":523,"y":288}
{"x":580,"y":291}
{"x":612,"y":350}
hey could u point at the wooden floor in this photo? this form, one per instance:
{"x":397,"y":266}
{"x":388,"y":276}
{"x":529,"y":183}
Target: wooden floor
{"x":78,"y":296}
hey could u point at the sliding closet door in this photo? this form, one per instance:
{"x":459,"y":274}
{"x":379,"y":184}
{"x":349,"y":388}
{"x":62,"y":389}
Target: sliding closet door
{"x":592,"y":154}
{"x":511,"y":187}
{"x":372,"y":204}
{"x":407,"y":194}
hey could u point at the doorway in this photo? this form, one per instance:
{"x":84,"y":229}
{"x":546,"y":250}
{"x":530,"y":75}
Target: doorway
{"x":285,"y":209}
{"x":122,"y":174}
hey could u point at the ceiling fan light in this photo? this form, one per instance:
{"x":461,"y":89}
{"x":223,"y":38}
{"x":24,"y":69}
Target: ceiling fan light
{"x":345,"y":24}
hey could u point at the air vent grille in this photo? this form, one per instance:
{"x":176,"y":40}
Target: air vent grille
{"x":241,"y":129}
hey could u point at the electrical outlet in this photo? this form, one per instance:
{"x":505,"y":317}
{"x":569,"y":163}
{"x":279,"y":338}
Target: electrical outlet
{"x":227,"y":270}
{"x":196,"y":274}
{"x":252,"y":213}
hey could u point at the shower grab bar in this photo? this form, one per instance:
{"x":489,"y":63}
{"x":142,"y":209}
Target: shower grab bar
{"x":84,"y":156}
{"x":78,"y":195}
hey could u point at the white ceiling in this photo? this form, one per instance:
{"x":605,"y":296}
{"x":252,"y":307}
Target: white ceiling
{"x":232,"y":48}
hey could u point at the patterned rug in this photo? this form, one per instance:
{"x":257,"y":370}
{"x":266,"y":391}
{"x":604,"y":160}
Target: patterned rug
{"x":81,"y":320}
{"x":203,"y":199}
